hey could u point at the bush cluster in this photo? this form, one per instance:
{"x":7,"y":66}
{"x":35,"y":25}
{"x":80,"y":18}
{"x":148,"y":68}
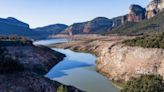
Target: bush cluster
{"x":148,"y":41}
{"x":14,"y":41}
{"x":145,"y":83}
{"x":7,"y":64}
{"x":62,"y":88}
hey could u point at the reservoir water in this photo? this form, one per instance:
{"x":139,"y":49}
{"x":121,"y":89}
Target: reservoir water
{"x":78,"y":70}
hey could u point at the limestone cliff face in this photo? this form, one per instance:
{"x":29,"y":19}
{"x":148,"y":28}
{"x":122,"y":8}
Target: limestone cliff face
{"x":102,"y":24}
{"x":136,"y":14}
{"x":155,"y":4}
{"x":121,"y":62}
{"x":154,"y":7}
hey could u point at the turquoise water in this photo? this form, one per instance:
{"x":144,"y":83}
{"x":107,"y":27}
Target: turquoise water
{"x":78,"y":69}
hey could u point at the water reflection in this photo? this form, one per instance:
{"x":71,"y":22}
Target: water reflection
{"x":78,"y":70}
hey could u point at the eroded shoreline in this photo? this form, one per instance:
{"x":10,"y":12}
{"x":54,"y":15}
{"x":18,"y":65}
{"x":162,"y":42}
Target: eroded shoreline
{"x":117,"y":61}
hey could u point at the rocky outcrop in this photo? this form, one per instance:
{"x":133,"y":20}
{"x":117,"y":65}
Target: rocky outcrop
{"x":35,"y":58}
{"x":150,"y":14}
{"x":116,"y":22}
{"x":76,"y":28}
{"x":101,"y":24}
{"x":136,"y":14}
{"x":123,"y":62}
{"x":96,"y":25}
{"x":154,"y":7}
{"x":23,"y":68}
{"x":30,"y":82}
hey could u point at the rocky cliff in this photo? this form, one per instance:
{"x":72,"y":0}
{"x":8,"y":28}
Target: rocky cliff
{"x":30,"y":82}
{"x":154,"y":7}
{"x":22,"y":68}
{"x":121,"y":62}
{"x":96,"y":25}
{"x":35,"y":58}
{"x":136,"y":13}
{"x":102,"y":25}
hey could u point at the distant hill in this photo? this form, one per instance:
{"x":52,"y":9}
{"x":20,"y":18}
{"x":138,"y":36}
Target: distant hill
{"x":94,"y":26}
{"x":102,"y":25}
{"x":138,"y":21}
{"x":12,"y":26}
{"x":51,"y":29}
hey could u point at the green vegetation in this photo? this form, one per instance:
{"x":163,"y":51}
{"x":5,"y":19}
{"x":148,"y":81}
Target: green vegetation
{"x":145,"y":83}
{"x":148,"y":41}
{"x":155,"y":24}
{"x":14,"y":41}
{"x":62,"y":89}
{"x":7,"y":64}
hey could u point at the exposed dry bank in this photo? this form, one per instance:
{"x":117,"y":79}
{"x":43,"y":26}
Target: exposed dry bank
{"x":117,"y":61}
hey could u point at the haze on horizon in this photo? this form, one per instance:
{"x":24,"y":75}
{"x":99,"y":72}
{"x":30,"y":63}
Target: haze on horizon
{"x":39,"y":13}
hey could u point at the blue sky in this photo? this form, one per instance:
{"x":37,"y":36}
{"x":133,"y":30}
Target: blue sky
{"x":44,"y":12}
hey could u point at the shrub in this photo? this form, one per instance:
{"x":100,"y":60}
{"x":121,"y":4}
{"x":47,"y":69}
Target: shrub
{"x":62,"y":89}
{"x":145,"y":83}
{"x":14,"y":41}
{"x":148,"y":41}
{"x":7,"y":64}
